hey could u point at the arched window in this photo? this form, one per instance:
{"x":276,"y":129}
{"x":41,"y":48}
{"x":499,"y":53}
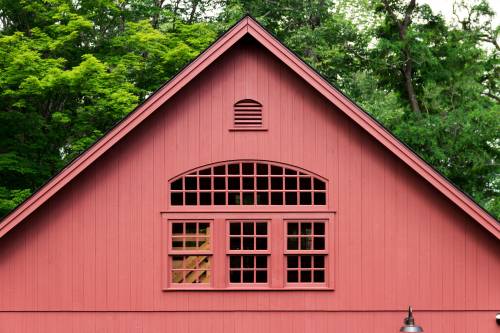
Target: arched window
{"x":247,"y":183}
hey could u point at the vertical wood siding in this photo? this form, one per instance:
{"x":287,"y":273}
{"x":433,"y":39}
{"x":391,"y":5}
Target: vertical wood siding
{"x":94,"y":250}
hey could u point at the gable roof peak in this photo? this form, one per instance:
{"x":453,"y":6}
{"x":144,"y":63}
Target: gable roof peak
{"x":247,"y":25}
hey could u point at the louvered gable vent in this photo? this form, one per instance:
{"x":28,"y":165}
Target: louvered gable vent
{"x":247,"y":114}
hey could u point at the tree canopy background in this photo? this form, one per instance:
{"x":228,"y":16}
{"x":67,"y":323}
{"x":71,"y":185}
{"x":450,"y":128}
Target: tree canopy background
{"x":71,"y":69}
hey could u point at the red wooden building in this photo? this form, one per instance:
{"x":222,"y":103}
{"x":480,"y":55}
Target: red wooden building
{"x":248,"y":195}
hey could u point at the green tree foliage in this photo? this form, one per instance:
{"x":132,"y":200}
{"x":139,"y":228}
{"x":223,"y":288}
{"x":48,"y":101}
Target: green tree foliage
{"x":70,"y":69}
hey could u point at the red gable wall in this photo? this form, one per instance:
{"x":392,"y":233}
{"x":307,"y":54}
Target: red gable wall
{"x":91,"y":256}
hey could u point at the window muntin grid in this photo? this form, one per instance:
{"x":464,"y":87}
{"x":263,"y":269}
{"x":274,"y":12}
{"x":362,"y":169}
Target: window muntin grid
{"x":191,"y":269}
{"x":305,"y":268}
{"x":248,"y":269}
{"x":190,"y":235}
{"x":248,"y":250}
{"x":247,"y":183}
{"x":305,"y":252}
{"x":190,"y":252}
{"x":305,"y":236}
{"x":248,"y":236}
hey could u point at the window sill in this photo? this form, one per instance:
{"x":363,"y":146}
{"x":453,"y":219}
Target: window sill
{"x":291,"y":288}
{"x":248,"y":129}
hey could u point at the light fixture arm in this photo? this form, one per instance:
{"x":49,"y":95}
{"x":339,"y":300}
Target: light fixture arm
{"x":409,"y":323}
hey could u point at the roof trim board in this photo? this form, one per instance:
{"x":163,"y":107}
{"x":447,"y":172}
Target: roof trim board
{"x":249,"y":26}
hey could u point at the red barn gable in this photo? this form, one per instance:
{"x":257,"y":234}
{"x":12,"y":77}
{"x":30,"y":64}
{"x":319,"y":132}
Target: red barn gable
{"x":248,"y":195}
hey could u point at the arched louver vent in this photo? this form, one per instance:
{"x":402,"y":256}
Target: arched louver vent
{"x":247,"y":114}
{"x":247,"y":183}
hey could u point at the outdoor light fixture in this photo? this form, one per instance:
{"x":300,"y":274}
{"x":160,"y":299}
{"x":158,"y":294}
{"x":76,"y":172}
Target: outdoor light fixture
{"x":409,"y":323}
{"x":498,"y":318}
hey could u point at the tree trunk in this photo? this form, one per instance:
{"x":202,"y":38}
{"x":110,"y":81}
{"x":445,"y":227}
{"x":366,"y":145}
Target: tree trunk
{"x":194,"y":7}
{"x":407,"y":68}
{"x":412,"y":96}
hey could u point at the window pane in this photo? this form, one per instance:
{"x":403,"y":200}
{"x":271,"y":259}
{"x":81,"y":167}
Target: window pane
{"x":177,"y":262}
{"x":290,"y":198}
{"x":262,"y":198}
{"x":205,"y":183}
{"x":248,"y":228}
{"x":248,"y":261}
{"x":206,"y":171}
{"x":293,"y":243}
{"x":305,"y":183}
{"x":235,"y":276}
{"x":177,"y":276}
{"x":205,"y":198}
{"x":293,"y":262}
{"x":276,"y":198}
{"x":235,"y":228}
{"x":262,"y":183}
{"x":261,"y":228}
{"x":319,"y":276}
{"x":305,"y":243}
{"x":177,"y":228}
{"x":276,"y":170}
{"x":219,"y":198}
{"x":319,"y":184}
{"x":190,"y":183}
{"x":234,"y":199}
{"x":319,"y":243}
{"x":176,"y":199}
{"x":191,"y":269}
{"x":177,"y":243}
{"x":305,"y":228}
{"x":219,"y":183}
{"x":233,"y":183}
{"x":305,"y":198}
{"x":191,"y":199}
{"x":248,"y":198}
{"x":248,"y":243}
{"x":191,"y":228}
{"x":203,"y":228}
{"x":233,"y":169}
{"x":261,"y":243}
{"x":248,"y":183}
{"x":276,"y":183}
{"x":248,"y":277}
{"x":235,"y":243}
{"x":292,"y":276}
{"x":204,"y":277}
{"x":261,"y":261}
{"x":262,"y":169}
{"x":319,"y":198}
{"x":319,"y":228}
{"x":293,"y":228}
{"x":247,"y":168}
{"x":234,"y":261}
{"x":176,"y":185}
{"x":190,"y":244}
{"x":319,"y":261}
{"x":203,"y":243}
{"x":305,"y":276}
{"x":291,"y":183}
{"x":305,"y":261}
{"x":220,"y":170}
{"x":261,"y":276}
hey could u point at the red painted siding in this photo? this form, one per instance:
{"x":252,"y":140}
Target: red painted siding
{"x":92,"y":255}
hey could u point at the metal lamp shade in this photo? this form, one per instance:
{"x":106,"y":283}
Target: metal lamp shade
{"x":409,"y":323}
{"x":411,"y":328}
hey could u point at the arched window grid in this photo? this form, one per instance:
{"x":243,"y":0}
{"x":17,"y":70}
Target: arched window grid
{"x":248,"y":183}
